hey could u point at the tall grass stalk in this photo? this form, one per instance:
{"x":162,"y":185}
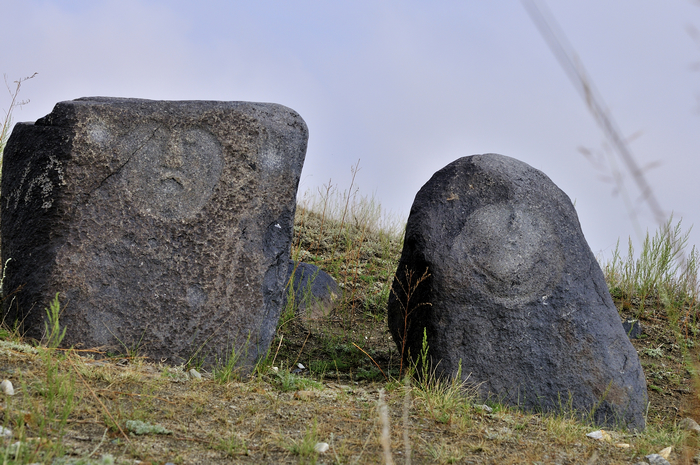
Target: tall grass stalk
{"x":14,"y":104}
{"x":662,"y":274}
{"x":407,"y":287}
{"x":386,"y":429}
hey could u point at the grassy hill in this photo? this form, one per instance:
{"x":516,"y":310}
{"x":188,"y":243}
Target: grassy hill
{"x":84,"y":406}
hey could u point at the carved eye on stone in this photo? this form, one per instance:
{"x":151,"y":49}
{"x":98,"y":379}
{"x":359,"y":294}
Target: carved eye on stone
{"x":189,"y":138}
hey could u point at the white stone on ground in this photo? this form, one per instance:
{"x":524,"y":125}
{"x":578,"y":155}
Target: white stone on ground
{"x":7,"y":388}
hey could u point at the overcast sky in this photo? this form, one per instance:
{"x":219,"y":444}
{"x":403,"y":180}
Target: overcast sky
{"x":406,"y":87}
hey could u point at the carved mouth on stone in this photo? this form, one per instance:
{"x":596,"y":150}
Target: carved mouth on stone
{"x":172,"y":184}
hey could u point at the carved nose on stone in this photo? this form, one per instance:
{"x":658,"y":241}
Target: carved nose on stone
{"x":172,"y":161}
{"x":173,"y":158}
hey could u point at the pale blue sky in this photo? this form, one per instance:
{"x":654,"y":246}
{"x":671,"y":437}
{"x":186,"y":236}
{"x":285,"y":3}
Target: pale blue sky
{"x":404,"y":86}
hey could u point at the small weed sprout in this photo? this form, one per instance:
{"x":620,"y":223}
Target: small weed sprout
{"x":232,"y":445}
{"x":290,"y":309}
{"x":228,"y":371}
{"x":653,"y":353}
{"x":139,"y":427}
{"x":287,"y":382}
{"x":423,"y":363}
{"x":444,"y":397}
{"x":48,"y":418}
{"x":54,"y":335}
{"x":305,"y":448}
{"x":131,"y":350}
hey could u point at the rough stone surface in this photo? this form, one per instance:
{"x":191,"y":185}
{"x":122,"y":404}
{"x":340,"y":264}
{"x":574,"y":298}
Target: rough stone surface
{"x":689,"y":424}
{"x":656,"y":459}
{"x":514,"y":294}
{"x":165,"y":226}
{"x":315,"y":291}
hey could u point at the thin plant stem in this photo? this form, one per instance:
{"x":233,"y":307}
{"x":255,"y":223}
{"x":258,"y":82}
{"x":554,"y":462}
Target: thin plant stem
{"x":370,"y":357}
{"x":98,"y":400}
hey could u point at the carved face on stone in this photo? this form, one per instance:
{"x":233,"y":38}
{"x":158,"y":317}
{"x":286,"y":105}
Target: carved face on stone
{"x":172,"y":174}
{"x":507,"y":252}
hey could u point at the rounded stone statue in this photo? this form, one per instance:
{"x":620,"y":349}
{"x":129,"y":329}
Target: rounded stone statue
{"x":496,"y":273}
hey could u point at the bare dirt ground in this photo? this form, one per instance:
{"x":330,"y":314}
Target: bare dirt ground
{"x":278,"y":417}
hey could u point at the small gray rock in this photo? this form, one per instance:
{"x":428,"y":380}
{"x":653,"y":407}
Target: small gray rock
{"x":656,"y":459}
{"x":7,"y":388}
{"x":689,"y":424}
{"x":315,"y":292}
{"x":484,"y":408}
{"x":633,"y":328}
{"x":321,"y":447}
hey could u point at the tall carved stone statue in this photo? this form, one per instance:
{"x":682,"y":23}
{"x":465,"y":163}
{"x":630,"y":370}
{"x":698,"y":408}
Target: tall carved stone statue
{"x":164,"y":226}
